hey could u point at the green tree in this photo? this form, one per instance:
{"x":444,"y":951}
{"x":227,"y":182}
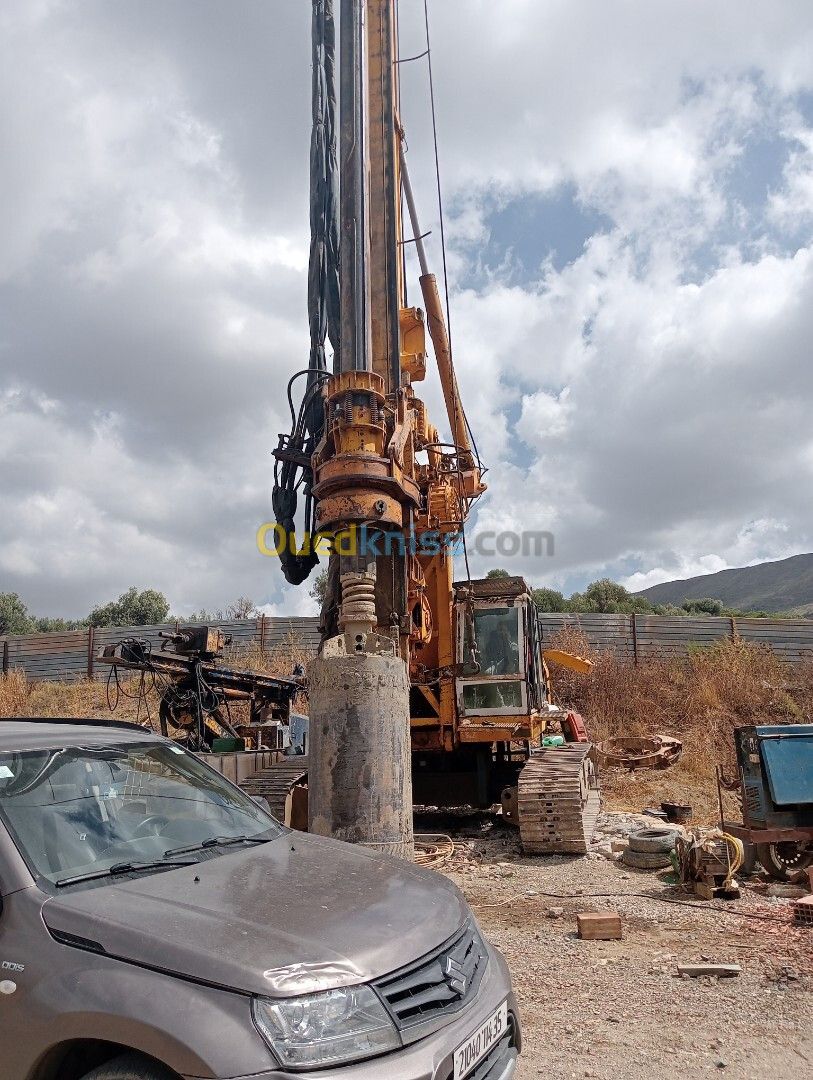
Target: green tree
{"x":242,"y":608}
{"x":133,"y":608}
{"x":14,"y":617}
{"x":58,"y":626}
{"x":549,"y":600}
{"x":498,"y":572}
{"x":318,"y":590}
{"x":608,"y":597}
{"x":704,"y":606}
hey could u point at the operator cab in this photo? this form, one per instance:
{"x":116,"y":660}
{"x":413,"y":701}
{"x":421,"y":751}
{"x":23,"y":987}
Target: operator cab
{"x":499,"y":657}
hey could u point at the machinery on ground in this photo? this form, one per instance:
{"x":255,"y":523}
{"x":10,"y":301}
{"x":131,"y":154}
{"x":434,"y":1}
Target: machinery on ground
{"x":197,"y":694}
{"x":774,"y":785}
{"x":241,"y":720}
{"x":419,"y":676}
{"x":388,"y":496}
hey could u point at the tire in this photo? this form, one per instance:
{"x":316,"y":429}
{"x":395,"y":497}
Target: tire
{"x":646,"y":860}
{"x":131,"y":1067}
{"x":783,"y":860}
{"x":653,"y":841}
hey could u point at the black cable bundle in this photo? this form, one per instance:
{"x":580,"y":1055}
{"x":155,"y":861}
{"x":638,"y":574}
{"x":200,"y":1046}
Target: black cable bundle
{"x":292,"y":469}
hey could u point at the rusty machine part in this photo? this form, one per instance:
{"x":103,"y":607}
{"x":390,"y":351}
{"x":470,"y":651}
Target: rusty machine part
{"x":196,"y":694}
{"x":654,"y":752}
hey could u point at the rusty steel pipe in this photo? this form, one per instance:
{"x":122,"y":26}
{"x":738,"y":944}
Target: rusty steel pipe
{"x":443,"y":355}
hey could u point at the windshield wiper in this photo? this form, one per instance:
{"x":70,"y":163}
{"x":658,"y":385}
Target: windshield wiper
{"x":124,"y":868}
{"x":218,"y":841}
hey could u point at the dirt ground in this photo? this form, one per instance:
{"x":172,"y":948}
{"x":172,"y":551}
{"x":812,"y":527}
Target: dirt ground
{"x":618,"y":1010}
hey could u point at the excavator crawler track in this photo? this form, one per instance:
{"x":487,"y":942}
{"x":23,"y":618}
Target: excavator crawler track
{"x":558,"y":801}
{"x":275,"y":783}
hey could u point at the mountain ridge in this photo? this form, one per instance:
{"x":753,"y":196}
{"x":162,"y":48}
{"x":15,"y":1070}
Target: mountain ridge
{"x":781,"y":586}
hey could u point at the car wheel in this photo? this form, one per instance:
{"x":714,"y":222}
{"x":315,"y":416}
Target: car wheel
{"x":646,"y":860}
{"x":783,"y":860}
{"x":653,"y":841}
{"x":131,"y":1067}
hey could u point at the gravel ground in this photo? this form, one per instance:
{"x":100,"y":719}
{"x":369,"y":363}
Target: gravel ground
{"x":617,"y":1010}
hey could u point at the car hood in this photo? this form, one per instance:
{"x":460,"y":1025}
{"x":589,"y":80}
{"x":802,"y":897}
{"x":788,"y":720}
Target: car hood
{"x":295,"y":915}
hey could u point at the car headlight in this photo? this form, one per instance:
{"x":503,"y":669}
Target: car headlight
{"x":324,"y":1029}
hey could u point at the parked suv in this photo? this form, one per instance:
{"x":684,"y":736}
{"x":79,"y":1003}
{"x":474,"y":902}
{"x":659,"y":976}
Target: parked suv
{"x":157,"y":924}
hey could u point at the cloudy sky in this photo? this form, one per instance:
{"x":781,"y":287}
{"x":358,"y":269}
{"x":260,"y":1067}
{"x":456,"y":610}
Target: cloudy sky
{"x":629,"y":195}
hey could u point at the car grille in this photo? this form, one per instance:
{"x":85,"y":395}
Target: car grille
{"x":442,"y":982}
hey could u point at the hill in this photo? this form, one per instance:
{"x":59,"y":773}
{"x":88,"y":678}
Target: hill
{"x":783,"y":586}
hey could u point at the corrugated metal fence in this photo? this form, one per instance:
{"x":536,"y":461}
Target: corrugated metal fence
{"x":642,"y":636}
{"x":72,"y":654}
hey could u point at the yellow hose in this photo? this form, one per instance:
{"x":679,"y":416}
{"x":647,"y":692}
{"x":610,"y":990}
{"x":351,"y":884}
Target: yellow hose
{"x":433,"y":849}
{"x":735,"y":863}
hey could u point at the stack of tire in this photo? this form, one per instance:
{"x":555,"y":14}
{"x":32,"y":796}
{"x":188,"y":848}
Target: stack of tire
{"x":650,"y":849}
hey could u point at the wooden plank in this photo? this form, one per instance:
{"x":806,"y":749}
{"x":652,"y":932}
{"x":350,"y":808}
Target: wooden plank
{"x":78,"y":670}
{"x":698,"y":635}
{"x":39,"y":639}
{"x":679,"y":639}
{"x":70,"y":659}
{"x":45,"y":647}
{"x":720,"y":971}
{"x":74,"y":662}
{"x":599,"y":926}
{"x":774,"y":624}
{"x":56,"y":671}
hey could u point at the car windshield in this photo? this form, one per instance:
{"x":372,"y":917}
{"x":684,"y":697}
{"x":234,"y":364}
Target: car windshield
{"x":79,"y":811}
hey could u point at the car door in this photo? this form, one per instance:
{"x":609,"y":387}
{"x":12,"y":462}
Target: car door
{"x":25,"y":960}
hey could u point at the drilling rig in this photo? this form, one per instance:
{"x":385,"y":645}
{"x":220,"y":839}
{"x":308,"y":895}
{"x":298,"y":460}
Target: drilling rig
{"x":423,"y":685}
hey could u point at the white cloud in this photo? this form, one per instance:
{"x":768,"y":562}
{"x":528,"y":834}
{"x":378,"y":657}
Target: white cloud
{"x":792,"y":206}
{"x":293,"y":603}
{"x":648,"y":402}
{"x":706,"y":564}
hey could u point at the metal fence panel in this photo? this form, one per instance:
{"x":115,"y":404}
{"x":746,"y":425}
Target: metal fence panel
{"x":70,"y":654}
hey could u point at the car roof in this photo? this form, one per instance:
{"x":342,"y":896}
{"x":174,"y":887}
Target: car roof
{"x":36,"y":733}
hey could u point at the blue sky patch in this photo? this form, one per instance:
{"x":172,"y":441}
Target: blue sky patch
{"x":530,"y":229}
{"x":757,"y":173}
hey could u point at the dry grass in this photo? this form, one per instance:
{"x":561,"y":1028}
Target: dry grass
{"x":699,"y":699}
{"x":80,"y":698}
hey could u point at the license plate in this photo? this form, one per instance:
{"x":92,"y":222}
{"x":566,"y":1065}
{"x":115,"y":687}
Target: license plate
{"x":475,"y":1048}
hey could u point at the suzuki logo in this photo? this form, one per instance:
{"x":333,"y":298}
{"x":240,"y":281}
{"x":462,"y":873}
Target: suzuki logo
{"x":455,"y":976}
